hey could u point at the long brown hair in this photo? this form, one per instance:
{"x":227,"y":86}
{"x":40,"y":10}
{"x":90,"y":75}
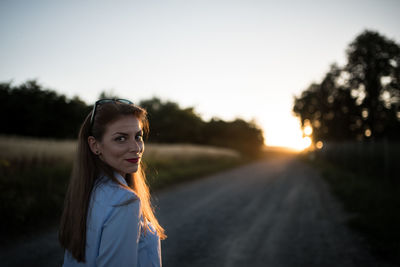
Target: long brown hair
{"x":87,"y":169}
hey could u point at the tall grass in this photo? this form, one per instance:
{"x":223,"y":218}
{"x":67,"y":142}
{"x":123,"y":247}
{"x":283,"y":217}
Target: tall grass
{"x":34,"y":174}
{"x":171,"y":164}
{"x":366,"y":177}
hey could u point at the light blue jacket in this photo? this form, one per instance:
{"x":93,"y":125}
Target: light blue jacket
{"x":115,"y":231}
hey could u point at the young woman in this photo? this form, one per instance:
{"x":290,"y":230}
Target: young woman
{"x":108,"y":219}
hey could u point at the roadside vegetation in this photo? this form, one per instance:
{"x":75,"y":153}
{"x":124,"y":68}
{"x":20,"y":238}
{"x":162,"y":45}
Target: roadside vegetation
{"x":353,"y":114}
{"x":365,"y":178}
{"x":34,"y":175}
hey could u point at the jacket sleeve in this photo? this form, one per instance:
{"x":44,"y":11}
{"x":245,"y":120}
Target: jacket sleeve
{"x":120,"y":236}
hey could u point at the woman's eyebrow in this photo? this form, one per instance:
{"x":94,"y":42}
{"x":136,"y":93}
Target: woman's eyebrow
{"x":120,"y":133}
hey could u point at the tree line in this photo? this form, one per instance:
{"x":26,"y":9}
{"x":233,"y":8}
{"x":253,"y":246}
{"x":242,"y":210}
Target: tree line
{"x":31,"y":110}
{"x":360,"y":100}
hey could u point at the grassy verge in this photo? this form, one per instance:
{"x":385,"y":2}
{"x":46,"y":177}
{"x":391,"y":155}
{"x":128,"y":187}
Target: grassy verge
{"x":163,"y":173}
{"x":375,"y":203}
{"x":30,"y":198}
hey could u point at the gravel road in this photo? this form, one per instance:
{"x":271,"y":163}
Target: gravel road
{"x":274,"y":213}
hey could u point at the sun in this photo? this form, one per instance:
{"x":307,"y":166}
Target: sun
{"x":288,"y":133}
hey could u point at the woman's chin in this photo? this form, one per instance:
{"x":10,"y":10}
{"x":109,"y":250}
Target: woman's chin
{"x":132,"y":169}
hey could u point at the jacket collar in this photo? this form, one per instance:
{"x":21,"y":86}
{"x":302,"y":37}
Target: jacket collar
{"x":120,"y":178}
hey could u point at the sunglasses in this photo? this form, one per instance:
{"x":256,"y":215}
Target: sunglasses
{"x":103,"y":101}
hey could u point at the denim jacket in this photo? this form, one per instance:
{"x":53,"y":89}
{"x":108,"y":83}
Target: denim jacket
{"x":115,"y":233}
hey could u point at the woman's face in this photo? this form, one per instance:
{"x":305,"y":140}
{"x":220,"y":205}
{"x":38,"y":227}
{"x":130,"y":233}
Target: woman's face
{"x":122,"y":145}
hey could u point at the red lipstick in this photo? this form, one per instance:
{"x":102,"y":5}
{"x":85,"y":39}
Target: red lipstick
{"x":134,"y":160}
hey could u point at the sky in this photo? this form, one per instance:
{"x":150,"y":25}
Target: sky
{"x":227,"y":59}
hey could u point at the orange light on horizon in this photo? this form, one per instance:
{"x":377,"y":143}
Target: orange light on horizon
{"x":303,"y":144}
{"x":306,"y":142}
{"x":287,"y":133}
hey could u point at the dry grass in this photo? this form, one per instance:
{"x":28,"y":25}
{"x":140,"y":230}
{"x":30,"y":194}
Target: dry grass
{"x":13,"y":148}
{"x":23,"y":149}
{"x":166,"y":152}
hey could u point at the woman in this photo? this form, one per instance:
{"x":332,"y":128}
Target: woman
{"x":108,"y":219}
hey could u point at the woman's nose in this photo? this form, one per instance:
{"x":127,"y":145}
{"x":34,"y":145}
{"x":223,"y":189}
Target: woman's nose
{"x":135,"y":146}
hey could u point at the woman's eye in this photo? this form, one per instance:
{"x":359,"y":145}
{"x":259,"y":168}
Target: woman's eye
{"x":120,"y":138}
{"x":139,"y":137}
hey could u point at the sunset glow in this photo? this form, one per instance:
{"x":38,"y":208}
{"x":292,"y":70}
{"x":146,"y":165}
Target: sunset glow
{"x":305,"y":143}
{"x":288,"y":134}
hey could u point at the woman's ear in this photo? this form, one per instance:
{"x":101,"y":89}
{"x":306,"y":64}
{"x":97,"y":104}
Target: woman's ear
{"x":94,"y":145}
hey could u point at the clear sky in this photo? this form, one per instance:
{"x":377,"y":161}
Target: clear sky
{"x":226,"y":59}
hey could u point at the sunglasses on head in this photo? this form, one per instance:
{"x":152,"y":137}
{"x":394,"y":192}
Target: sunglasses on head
{"x":103,"y":101}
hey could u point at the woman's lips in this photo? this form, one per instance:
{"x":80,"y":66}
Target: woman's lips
{"x":134,"y":160}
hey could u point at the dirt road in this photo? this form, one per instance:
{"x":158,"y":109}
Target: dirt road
{"x":271,"y":213}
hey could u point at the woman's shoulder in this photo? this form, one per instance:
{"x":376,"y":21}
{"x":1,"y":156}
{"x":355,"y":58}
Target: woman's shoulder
{"x":107,"y":192}
{"x":110,"y":205}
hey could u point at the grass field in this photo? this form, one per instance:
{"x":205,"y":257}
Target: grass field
{"x":34,"y":175}
{"x":366,"y":180}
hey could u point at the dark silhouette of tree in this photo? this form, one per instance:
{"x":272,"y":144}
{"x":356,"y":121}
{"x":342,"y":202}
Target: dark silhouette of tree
{"x":108,"y":94}
{"x":30,"y":110}
{"x":357,"y":102}
{"x":373,"y":67}
{"x":329,"y":109}
{"x":238,"y":134}
{"x":171,"y":124}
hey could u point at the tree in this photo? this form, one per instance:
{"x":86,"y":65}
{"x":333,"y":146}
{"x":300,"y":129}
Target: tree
{"x":31,"y":110}
{"x":360,"y":100}
{"x":108,"y":94}
{"x":329,"y":109}
{"x":238,"y":134}
{"x":171,"y":124}
{"x":374,"y":76}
